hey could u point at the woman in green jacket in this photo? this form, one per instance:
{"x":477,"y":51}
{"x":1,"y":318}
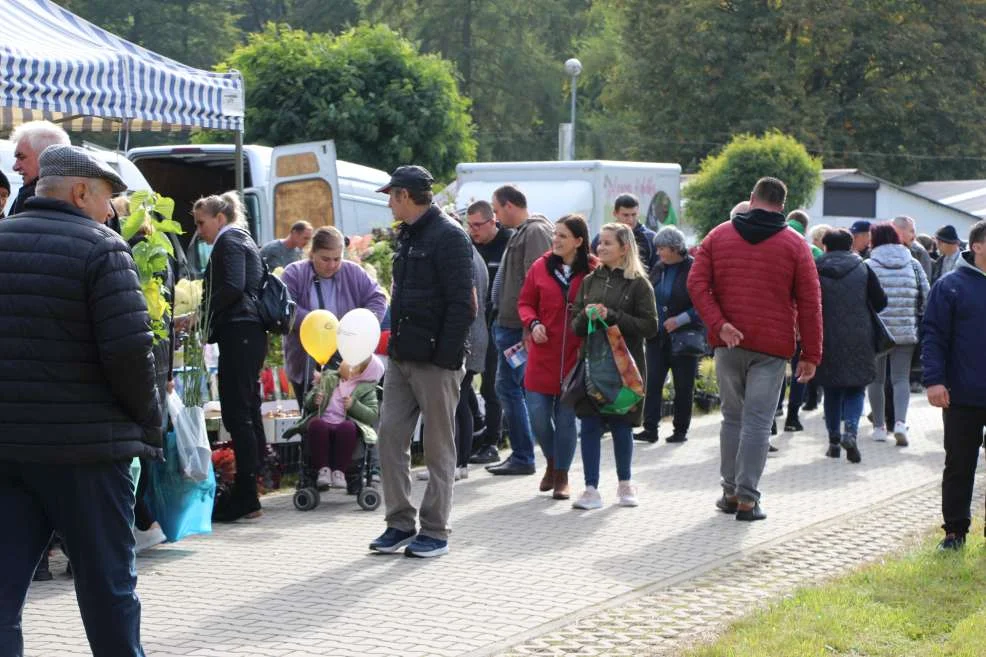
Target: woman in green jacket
{"x":622,"y":295}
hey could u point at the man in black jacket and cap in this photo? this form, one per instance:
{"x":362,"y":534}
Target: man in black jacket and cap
{"x":78,"y":399}
{"x":432,"y":307}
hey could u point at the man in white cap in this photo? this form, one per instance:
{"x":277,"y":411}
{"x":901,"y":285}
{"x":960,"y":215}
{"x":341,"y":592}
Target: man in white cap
{"x":79,"y":400}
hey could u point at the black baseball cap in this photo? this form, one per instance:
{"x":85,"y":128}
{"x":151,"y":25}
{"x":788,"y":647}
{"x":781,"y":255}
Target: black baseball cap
{"x":859,"y":227}
{"x":409,"y":177}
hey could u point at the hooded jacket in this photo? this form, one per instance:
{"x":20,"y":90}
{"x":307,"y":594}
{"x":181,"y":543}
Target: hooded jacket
{"x":365,"y":411}
{"x":758,"y":275}
{"x":544,"y":299}
{"x":906,"y":285}
{"x":849,"y":286}
{"x":953,"y":350}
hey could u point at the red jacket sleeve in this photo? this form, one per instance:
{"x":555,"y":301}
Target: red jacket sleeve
{"x":808,"y":297}
{"x":700,"y":289}
{"x":527,"y":302}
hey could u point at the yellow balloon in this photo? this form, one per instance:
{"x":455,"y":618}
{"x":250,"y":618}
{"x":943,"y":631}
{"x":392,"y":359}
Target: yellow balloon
{"x":318,"y":331}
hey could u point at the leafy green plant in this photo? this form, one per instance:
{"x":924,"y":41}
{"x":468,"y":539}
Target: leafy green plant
{"x":150,"y":214}
{"x":727,"y":177}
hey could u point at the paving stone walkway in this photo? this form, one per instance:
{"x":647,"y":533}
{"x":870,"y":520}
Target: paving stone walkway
{"x":526,"y":575}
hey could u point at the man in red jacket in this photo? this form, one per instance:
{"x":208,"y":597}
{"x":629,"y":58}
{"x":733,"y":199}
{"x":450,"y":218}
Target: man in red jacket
{"x":753,"y":283}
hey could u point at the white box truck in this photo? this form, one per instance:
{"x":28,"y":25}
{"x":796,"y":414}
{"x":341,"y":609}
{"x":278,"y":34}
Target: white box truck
{"x":587,"y":187}
{"x":282,"y":185}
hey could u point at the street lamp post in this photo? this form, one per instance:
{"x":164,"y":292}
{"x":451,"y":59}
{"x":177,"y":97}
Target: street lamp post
{"x":574,"y":68}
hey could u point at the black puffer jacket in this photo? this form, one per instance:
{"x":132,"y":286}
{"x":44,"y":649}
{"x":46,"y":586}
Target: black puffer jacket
{"x":848,"y":285}
{"x":432,"y":306}
{"x":232,"y":281}
{"x":77,"y":383}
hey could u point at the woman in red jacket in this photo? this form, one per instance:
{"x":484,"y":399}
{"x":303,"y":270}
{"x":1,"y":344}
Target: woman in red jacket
{"x":545,"y":304}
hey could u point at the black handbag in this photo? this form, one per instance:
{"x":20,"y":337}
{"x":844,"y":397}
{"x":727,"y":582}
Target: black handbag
{"x":689,"y":341}
{"x":883,"y":339}
{"x":574,"y":393}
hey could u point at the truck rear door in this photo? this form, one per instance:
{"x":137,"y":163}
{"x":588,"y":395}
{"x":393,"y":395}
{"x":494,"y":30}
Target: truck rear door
{"x":304,"y":185}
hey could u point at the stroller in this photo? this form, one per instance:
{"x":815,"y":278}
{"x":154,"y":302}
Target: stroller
{"x":360,"y":475}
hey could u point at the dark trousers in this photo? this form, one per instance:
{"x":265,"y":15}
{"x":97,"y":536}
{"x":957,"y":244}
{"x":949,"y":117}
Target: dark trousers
{"x":242,"y":349}
{"x":92,"y":508}
{"x":332,"y":445}
{"x":964,"y":427}
{"x":683,"y":370}
{"x":797,"y":396}
{"x":487,"y":389}
{"x":464,"y":422}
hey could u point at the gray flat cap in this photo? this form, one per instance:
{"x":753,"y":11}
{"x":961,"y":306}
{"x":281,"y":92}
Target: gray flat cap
{"x":75,"y":162}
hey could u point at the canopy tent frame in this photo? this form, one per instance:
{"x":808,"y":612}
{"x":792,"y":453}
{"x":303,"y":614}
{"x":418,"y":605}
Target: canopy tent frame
{"x":57,"y":66}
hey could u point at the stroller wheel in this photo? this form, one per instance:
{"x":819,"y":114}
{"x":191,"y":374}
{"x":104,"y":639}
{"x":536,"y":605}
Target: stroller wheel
{"x":368,"y":499}
{"x":306,"y":499}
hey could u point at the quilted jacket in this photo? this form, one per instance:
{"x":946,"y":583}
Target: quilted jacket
{"x":767,"y":289}
{"x":848,"y":288}
{"x":906,"y":285}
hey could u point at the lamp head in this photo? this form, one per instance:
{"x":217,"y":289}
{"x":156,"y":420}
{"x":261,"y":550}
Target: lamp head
{"x":573,"y":67}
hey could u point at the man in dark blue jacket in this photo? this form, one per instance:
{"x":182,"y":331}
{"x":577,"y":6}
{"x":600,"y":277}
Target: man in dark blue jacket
{"x":78,"y":400}
{"x":954,"y":359}
{"x":431,"y":310}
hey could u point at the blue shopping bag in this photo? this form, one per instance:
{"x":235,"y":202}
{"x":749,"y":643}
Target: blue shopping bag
{"x":181,"y":505}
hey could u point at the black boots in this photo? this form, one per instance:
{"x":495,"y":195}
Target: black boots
{"x":240,"y":502}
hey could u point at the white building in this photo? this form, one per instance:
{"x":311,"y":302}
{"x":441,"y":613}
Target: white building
{"x":847,"y":195}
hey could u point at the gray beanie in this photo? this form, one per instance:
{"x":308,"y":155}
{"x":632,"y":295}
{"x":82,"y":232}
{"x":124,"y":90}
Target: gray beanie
{"x":672,"y":238}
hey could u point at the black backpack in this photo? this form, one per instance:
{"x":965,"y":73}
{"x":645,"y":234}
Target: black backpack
{"x":274,"y":304}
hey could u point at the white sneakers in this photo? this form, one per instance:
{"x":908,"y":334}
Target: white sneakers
{"x":626,"y":494}
{"x":154,"y":535}
{"x":900,"y":434}
{"x":423,"y":475}
{"x":590,"y":499}
{"x":331,"y":478}
{"x":880,"y":434}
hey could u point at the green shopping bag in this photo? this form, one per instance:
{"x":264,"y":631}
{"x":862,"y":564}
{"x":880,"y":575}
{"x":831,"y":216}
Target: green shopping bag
{"x":613,"y":380}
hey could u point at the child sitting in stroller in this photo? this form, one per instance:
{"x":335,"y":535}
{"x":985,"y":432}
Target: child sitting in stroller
{"x":341,"y":407}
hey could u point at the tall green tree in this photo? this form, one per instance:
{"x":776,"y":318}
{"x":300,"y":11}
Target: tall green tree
{"x":382,"y":102}
{"x":727,"y":177}
{"x":509,"y":55}
{"x":895,"y":87}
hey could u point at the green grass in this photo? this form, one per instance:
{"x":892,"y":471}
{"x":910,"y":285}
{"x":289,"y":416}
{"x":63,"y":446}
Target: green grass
{"x":921,"y":604}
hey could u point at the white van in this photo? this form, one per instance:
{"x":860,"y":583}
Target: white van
{"x":282,"y":185}
{"x":119,"y":162}
{"x":586,"y":187}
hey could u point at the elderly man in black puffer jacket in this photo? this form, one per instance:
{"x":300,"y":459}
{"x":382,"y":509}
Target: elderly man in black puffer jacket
{"x":77,"y":397}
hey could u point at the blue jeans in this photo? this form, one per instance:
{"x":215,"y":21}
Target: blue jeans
{"x":592,"y":433}
{"x":554,"y":426}
{"x":510,"y":390}
{"x":843,"y":405}
{"x":92,"y":509}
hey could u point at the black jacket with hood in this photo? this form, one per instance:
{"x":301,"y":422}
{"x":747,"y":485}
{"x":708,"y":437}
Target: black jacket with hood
{"x":849,"y":286}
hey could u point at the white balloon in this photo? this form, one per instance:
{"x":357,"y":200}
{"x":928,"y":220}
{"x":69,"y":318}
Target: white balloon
{"x":358,"y":335}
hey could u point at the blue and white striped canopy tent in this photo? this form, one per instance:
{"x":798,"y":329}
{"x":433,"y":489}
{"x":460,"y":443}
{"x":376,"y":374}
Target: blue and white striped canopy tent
{"x":57,"y":66}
